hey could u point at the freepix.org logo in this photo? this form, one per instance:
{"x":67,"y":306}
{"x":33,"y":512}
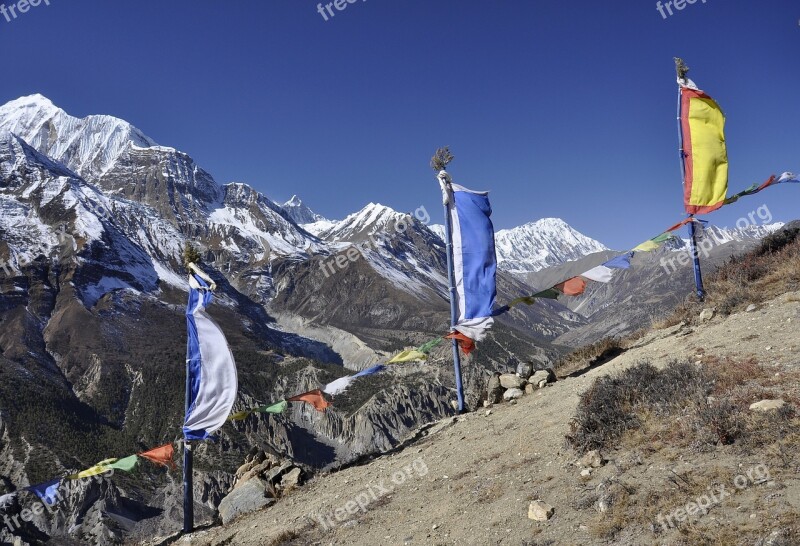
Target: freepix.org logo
{"x":666,"y":7}
{"x":11,"y":11}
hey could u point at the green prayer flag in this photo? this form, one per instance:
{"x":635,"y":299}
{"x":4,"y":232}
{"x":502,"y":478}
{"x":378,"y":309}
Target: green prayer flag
{"x":428,"y":347}
{"x":280,"y":407}
{"x":550,"y":294}
{"x":127,"y":464}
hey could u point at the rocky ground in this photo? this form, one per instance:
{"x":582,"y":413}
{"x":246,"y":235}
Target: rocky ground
{"x":473,"y":479}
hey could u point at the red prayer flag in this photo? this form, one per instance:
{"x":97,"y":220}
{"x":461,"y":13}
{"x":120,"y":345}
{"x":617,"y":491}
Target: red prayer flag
{"x":315,"y":398}
{"x":680,"y":224}
{"x":161,"y":455}
{"x":572,"y":287}
{"x":467,"y":345}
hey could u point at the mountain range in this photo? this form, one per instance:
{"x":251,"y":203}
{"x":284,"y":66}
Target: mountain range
{"x":94,"y":216}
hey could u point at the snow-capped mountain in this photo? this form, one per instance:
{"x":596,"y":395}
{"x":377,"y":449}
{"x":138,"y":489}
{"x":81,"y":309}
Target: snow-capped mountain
{"x":306,"y":218}
{"x":359,"y":226}
{"x":438,"y":229}
{"x":544,"y":243}
{"x":537,"y":245}
{"x":716,"y":236}
{"x":88,"y":146}
{"x":299,"y":211}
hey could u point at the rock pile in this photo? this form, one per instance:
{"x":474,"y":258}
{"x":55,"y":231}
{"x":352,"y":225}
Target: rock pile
{"x":260,"y":481}
{"x":510,"y":386}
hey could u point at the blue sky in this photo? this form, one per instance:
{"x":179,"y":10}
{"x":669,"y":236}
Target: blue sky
{"x":562,"y":109}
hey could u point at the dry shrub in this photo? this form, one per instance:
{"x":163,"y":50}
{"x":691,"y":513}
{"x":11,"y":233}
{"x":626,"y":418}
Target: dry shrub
{"x":589,"y":356}
{"x":722,"y":421}
{"x":773,"y":268}
{"x":730,"y":374}
{"x":614,"y":404}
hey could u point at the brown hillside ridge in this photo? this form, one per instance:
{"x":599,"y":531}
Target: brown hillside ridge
{"x":686,"y":462}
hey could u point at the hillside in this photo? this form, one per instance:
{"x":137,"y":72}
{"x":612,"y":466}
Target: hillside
{"x":470,"y":479}
{"x":92,"y":330}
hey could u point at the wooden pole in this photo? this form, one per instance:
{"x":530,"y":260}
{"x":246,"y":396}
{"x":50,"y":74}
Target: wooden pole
{"x":681,"y":70}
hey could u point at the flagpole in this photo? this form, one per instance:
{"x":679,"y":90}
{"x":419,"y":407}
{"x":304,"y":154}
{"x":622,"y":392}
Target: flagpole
{"x":188,"y":494}
{"x":190,"y":256}
{"x":444,"y":157}
{"x":682,"y":70}
{"x":698,"y":275}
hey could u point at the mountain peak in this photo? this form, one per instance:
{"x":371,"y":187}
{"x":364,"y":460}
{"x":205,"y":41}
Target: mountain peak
{"x":89,"y":145}
{"x":36,"y":100}
{"x":300,"y":213}
{"x":540,"y":244}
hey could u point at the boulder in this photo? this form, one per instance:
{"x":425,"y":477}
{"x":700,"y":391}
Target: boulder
{"x":539,"y":377}
{"x":540,"y":511}
{"x":254,"y":472}
{"x":494,"y":390}
{"x":767,"y":405}
{"x":529,"y":388}
{"x":511,"y":381}
{"x":251,"y":496}
{"x":291,"y":478}
{"x":273,"y":475}
{"x":242,"y":470}
{"x":592,"y":459}
{"x":513,"y":394}
{"x":750,"y":308}
{"x":525,"y":369}
{"x":707,"y":314}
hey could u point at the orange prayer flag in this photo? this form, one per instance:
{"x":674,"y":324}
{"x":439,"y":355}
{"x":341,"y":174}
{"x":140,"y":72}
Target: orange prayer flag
{"x":161,"y":455}
{"x":467,"y":344}
{"x":315,"y":398}
{"x":572,"y":287}
{"x":680,"y":224}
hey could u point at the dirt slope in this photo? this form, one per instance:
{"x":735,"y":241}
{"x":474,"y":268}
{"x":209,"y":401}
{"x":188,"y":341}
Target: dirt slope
{"x":472,"y":479}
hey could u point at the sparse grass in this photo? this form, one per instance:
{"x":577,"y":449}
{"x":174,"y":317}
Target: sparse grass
{"x":674,"y":415}
{"x":285,"y":538}
{"x":614,"y":404}
{"x":683,"y":405}
{"x":589,"y":356}
{"x":773,"y":268}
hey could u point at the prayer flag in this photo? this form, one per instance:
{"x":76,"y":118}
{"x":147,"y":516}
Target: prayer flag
{"x":211,"y":368}
{"x":280,"y":407}
{"x":126,"y":465}
{"x":341,"y":384}
{"x":315,"y":398}
{"x":572,"y":287}
{"x":620,"y":262}
{"x":474,"y":260}
{"x":705,"y":156}
{"x":409,"y":355}
{"x":161,"y":455}
{"x":99,"y":468}
{"x":601,"y":273}
{"x":47,"y":491}
{"x":467,"y":344}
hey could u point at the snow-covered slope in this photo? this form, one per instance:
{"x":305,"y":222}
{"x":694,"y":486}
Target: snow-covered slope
{"x":154,"y":199}
{"x":299,"y":211}
{"x":438,"y":229}
{"x":51,"y":215}
{"x":88,"y":146}
{"x":541,"y":244}
{"x":247,"y":216}
{"x":374,"y":219}
{"x":397,"y":245}
{"x":537,"y":245}
{"x":306,"y":218}
{"x":720,"y":235}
